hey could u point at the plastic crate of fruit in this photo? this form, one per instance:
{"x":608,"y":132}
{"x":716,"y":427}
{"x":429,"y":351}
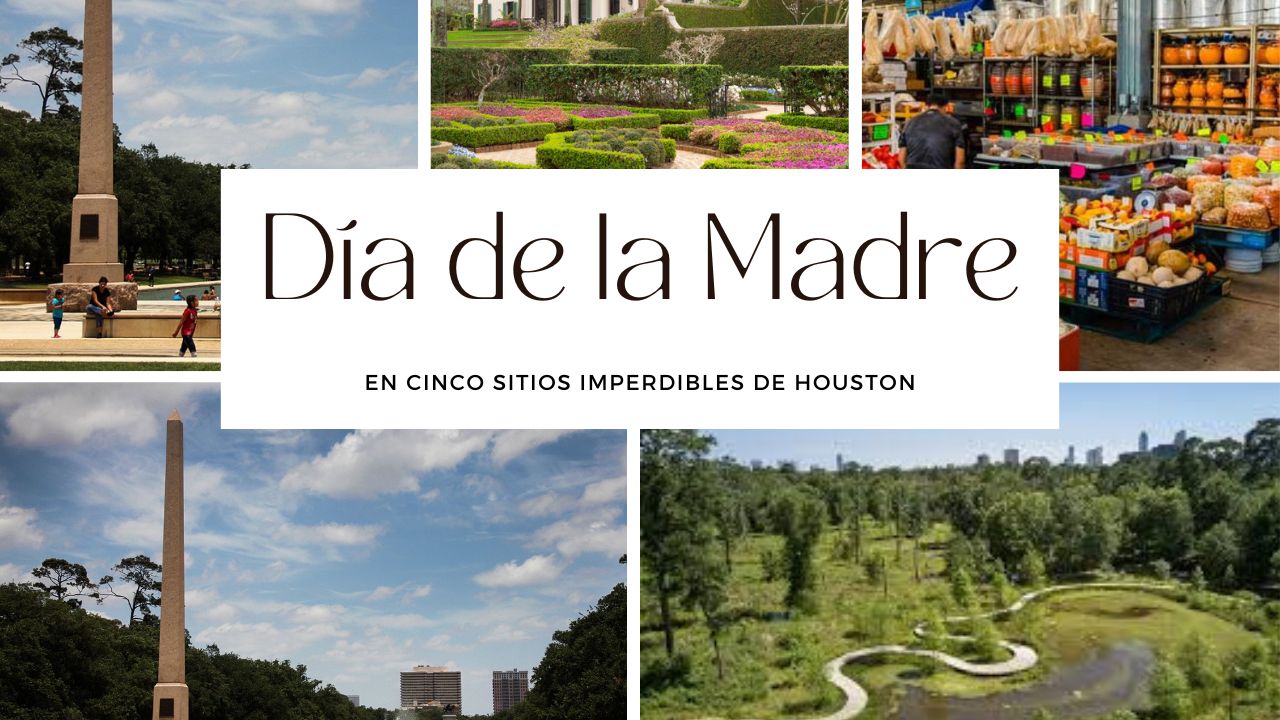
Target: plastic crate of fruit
{"x":1150,"y":302}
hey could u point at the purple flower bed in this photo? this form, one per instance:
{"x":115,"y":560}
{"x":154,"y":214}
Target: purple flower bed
{"x":802,"y":156}
{"x":547,"y":114}
{"x":504,"y":24}
{"x":501,"y":110}
{"x":593,"y":113}
{"x":787,"y":135}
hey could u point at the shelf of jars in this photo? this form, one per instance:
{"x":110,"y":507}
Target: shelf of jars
{"x":1047,"y":93}
{"x":1222,"y":73}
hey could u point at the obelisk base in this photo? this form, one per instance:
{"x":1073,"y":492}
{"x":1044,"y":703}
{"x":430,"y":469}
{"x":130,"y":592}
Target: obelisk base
{"x":171,"y":702}
{"x":95,"y":241}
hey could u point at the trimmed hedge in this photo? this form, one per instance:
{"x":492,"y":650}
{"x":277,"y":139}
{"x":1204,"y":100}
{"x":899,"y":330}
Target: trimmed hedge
{"x":474,"y":137}
{"x":752,"y":51}
{"x":623,"y":121}
{"x":729,"y":164}
{"x":657,"y":86}
{"x":676,"y":132}
{"x":455,"y":162}
{"x":730,"y":143}
{"x":754,"y":13}
{"x":451,"y":71}
{"x":757,"y":96}
{"x":835,"y":124}
{"x":613,"y":56}
{"x":825,"y":88}
{"x":557,"y":152}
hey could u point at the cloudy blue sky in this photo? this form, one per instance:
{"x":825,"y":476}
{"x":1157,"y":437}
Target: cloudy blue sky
{"x":358,"y":554}
{"x":1108,"y":415}
{"x":273,"y":83}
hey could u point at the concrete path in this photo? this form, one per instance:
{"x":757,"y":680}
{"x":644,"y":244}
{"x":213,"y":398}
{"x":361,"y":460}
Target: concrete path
{"x":26,"y":333}
{"x":1022,"y":657}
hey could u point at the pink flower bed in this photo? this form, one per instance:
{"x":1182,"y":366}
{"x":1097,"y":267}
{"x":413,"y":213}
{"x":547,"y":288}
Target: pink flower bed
{"x":453,"y":113}
{"x":601,"y":112}
{"x":501,"y":24}
{"x":500,"y":110}
{"x":802,"y":156}
{"x":787,"y":135}
{"x":547,"y":114}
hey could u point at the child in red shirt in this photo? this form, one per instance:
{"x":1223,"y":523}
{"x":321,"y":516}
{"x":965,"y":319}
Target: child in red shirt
{"x":187,"y":326}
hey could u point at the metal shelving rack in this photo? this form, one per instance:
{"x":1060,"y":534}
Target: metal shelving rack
{"x":1098,"y":106}
{"x":1252,"y":68}
{"x":873,"y":103}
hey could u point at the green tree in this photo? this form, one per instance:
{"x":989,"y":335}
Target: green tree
{"x":53,"y":51}
{"x":675,"y":487}
{"x":65,"y":581}
{"x":800,"y":516}
{"x":1219,"y":552}
{"x":1170,"y":693}
{"x":142,"y":592}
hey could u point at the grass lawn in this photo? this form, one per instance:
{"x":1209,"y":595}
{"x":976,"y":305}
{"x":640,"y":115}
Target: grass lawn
{"x":42,"y":366}
{"x":773,"y":665}
{"x":487,"y":38}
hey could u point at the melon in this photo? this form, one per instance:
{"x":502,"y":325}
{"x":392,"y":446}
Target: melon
{"x":1175,"y":260}
{"x":1138,"y":266}
{"x":1163,"y":275}
{"x":1146,"y":280}
{"x":1154,"y":249}
{"x":1192,"y":274}
{"x":1126,"y":275}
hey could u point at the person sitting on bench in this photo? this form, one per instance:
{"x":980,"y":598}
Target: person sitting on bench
{"x":100,"y":304}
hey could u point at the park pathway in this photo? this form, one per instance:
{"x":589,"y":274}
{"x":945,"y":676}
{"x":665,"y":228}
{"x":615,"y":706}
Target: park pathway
{"x":1022,"y":658}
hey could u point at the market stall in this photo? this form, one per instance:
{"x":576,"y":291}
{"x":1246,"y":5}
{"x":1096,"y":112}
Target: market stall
{"x":1167,"y":148}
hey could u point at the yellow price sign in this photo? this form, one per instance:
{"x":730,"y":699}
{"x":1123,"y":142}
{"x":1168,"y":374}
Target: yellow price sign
{"x":1203,"y":132}
{"x":1136,"y":183}
{"x":1020,"y":135}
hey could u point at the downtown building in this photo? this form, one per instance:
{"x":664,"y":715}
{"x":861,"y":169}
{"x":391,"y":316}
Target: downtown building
{"x":509,"y":688}
{"x":430,"y":686}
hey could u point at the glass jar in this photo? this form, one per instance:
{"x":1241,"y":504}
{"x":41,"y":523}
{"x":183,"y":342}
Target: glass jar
{"x":1197,"y":104}
{"x":1210,"y":52}
{"x":1168,"y":77}
{"x":1049,"y":113}
{"x":1181,"y":104}
{"x":1233,"y":107}
{"x":1187,"y":53}
{"x":1049,"y":78}
{"x":1169,"y":54}
{"x":1267,"y":98}
{"x":1070,"y":116}
{"x":1166,"y":94}
{"x":1233,"y":91}
{"x":1029,"y":78}
{"x":1235,"y":53}
{"x":1213,"y":85}
{"x":996,"y":78}
{"x":1069,"y":79}
{"x":1213,"y":106}
{"x":1013,"y":79}
{"x":1181,"y":89}
{"x":1093,"y":81}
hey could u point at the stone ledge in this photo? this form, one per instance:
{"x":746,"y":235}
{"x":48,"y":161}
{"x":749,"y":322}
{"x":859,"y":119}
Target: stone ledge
{"x":149,"y":325}
{"x":76,"y":295}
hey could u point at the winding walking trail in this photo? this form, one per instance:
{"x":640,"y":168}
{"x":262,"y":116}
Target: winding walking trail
{"x":1023,"y":657}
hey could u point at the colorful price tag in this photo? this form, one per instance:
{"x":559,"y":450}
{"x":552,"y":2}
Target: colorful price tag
{"x":951,"y":75}
{"x":1022,"y":135}
{"x":1159,"y":133}
{"x":1275,"y":166}
{"x":1019,"y":110}
{"x":1203,"y":132}
{"x":1192,"y":162}
{"x":1008,"y":133}
{"x":1050,"y":141}
{"x":1136,"y":183}
{"x":1088,"y":137}
{"x":1261,"y":165}
{"x":1077,"y":171}
{"x":1224,"y":138}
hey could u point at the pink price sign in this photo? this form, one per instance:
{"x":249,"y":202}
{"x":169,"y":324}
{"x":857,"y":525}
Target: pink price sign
{"x":1077,"y":171}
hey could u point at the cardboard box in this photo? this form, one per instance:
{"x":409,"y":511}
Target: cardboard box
{"x":1067,"y":271}
{"x":1067,"y":290}
{"x":1100,"y":259}
{"x":1125,"y":234}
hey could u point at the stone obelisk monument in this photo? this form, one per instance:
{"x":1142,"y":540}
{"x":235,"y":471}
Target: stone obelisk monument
{"x":94,"y":213}
{"x":170,"y":699}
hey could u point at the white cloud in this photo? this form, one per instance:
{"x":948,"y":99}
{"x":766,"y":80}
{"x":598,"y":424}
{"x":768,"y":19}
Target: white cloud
{"x":14,"y":573}
{"x":18,"y":527}
{"x":588,"y":531}
{"x":367,"y":463}
{"x":329,"y":534}
{"x":537,"y":570}
{"x":504,"y":633}
{"x":511,"y":444}
{"x":107,"y":414}
{"x":605,"y":491}
{"x":382,"y":592}
{"x":418,"y":592}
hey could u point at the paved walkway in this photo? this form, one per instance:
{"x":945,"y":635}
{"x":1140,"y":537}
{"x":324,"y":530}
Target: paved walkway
{"x":1022,"y":657}
{"x":26,"y":333}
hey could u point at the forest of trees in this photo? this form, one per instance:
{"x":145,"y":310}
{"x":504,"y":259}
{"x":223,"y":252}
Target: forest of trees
{"x":60,"y":662}
{"x":1210,"y":515}
{"x":169,"y":207}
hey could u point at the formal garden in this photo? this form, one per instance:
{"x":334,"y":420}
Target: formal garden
{"x":666,"y":86}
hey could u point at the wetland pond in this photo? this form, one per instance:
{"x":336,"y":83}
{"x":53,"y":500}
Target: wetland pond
{"x":1099,"y":681}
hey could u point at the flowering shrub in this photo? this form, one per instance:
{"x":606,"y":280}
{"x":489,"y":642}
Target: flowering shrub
{"x":601,"y":112}
{"x":504,"y":24}
{"x":500,"y":110}
{"x":787,"y":135}
{"x":547,"y":114}
{"x":769,"y":144}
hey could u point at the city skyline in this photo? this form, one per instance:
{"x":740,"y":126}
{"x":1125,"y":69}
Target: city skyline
{"x":1092,"y":415}
{"x":275,"y":85}
{"x":359,"y":554}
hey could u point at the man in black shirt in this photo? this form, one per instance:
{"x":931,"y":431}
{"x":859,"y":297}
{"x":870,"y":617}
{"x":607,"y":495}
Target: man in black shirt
{"x":933,"y":139}
{"x":100,"y":303}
